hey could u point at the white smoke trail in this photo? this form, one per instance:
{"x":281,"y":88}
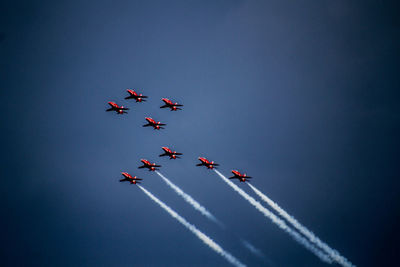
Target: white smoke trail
{"x":276,"y":220}
{"x":205,"y":212}
{"x":253,"y":249}
{"x":335,"y":255}
{"x":208,"y":241}
{"x":196,"y":205}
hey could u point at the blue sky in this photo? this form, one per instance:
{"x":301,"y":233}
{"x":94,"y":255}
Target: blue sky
{"x":301,"y":96}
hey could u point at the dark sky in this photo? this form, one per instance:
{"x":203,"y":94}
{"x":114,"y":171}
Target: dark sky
{"x":301,"y":95}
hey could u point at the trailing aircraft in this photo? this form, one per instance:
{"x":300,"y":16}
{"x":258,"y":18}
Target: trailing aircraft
{"x":116,"y":108}
{"x":148,"y":165}
{"x":154,"y":124}
{"x":207,"y":163}
{"x":136,"y":96}
{"x":239,"y":176}
{"x":129,"y":178}
{"x":170,"y":153}
{"x":170,"y":104}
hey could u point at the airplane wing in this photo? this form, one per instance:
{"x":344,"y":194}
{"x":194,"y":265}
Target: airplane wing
{"x":200,"y":164}
{"x":165,"y":106}
{"x":178,"y":154}
{"x":110,"y":109}
{"x":147,"y":125}
{"x":248,"y":177}
{"x":161,"y":124}
{"x":123,"y":180}
{"x":156,"y":165}
{"x":215,"y":164}
{"x":178,"y":105}
{"x":136,"y":179}
{"x":162,"y":155}
{"x":141,"y":167}
{"x":143,"y":96}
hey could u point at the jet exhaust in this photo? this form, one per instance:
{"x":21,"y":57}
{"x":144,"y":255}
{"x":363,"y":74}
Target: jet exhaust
{"x":203,"y":237}
{"x":196,"y":205}
{"x":335,"y":255}
{"x":276,"y":220}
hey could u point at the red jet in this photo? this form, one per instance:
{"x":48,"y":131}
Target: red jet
{"x":147,"y":164}
{"x":116,"y":108}
{"x":154,"y":124}
{"x":168,"y":152}
{"x":170,"y":104}
{"x":136,"y":96}
{"x":208,"y":164}
{"x":239,"y":176}
{"x":129,"y":178}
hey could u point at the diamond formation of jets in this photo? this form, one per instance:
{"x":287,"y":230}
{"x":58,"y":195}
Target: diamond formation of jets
{"x":171,"y":105}
{"x":207,"y":163}
{"x":136,"y":96}
{"x":129,"y":178}
{"x":115,"y":107}
{"x":147,"y":164}
{"x":239,"y":176}
{"x":170,"y":153}
{"x":156,"y":125}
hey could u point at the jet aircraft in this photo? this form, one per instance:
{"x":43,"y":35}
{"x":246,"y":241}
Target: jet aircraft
{"x":116,"y":108}
{"x":170,"y":104}
{"x":136,"y":96}
{"x":154,"y":124}
{"x":239,"y":176}
{"x":207,"y":163}
{"x":129,"y":178}
{"x":170,"y":153}
{"x":148,"y":165}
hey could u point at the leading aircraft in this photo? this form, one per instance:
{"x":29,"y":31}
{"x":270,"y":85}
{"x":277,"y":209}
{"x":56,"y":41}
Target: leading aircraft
{"x":170,"y":153}
{"x":116,"y":108}
{"x":136,"y":96}
{"x":154,"y":124}
{"x":207,"y":163}
{"x":170,"y":104}
{"x":148,"y":165}
{"x":239,"y":176}
{"x":129,"y":178}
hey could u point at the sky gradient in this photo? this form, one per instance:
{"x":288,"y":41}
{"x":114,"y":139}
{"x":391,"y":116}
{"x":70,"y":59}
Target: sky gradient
{"x":301,"y":96}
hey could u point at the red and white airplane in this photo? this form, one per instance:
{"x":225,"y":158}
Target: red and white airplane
{"x":170,"y":104}
{"x":170,"y":153}
{"x":239,"y":176}
{"x":154,"y":124}
{"x":116,"y":108}
{"x":136,"y":96}
{"x":129,"y":178}
{"x":148,"y":165}
{"x":207,"y":163}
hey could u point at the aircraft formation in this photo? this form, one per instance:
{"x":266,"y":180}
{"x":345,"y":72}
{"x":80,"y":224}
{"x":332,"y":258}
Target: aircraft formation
{"x":285,"y":222}
{"x":157,"y":125}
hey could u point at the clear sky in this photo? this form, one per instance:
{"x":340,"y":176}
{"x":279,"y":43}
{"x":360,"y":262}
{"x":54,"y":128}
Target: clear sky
{"x":301,"y":95}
